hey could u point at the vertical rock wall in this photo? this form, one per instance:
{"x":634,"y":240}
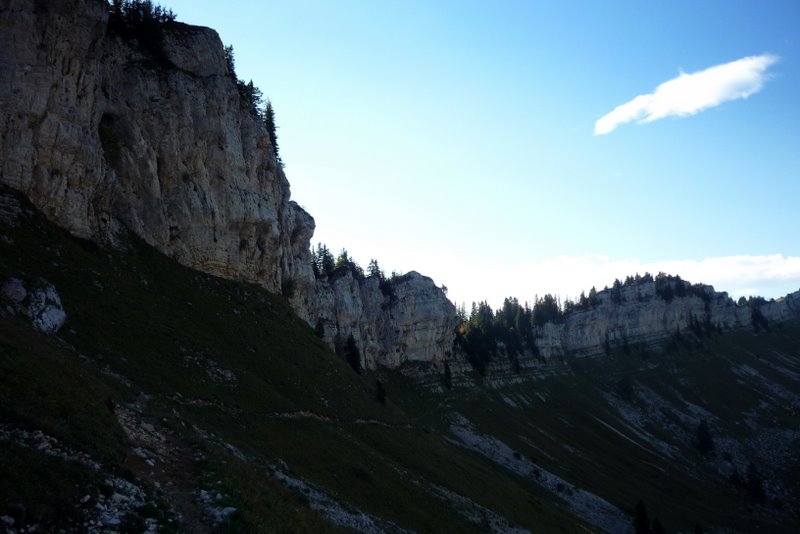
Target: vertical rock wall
{"x":100,"y":132}
{"x":103,"y":131}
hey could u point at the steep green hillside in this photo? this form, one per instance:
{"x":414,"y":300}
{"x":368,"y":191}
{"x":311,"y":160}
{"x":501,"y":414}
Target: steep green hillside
{"x":183,"y":383}
{"x":705,"y":432}
{"x":176,"y":401}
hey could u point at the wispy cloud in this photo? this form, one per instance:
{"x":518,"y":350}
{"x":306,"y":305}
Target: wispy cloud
{"x":770,"y":276}
{"x":689,"y":94}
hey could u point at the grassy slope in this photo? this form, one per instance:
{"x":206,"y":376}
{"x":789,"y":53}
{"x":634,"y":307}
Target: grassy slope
{"x":745,"y":384}
{"x":144,"y":331}
{"x":138,"y":323}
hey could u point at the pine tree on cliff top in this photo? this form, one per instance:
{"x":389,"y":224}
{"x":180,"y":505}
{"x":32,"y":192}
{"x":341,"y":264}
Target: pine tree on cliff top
{"x":269,"y":122}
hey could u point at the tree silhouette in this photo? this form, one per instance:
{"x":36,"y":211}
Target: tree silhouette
{"x":269,"y":123}
{"x":380,"y":392}
{"x":352,"y":355}
{"x":705,"y":442}
{"x":754,"y":483}
{"x":641,"y":523}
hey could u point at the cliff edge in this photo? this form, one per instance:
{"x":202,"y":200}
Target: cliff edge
{"x":147,"y":131}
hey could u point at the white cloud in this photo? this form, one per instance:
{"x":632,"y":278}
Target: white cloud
{"x":771,"y":276}
{"x":689,"y":94}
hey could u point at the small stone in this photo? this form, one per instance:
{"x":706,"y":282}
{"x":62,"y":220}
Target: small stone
{"x":110,"y":521}
{"x":85,"y":498}
{"x":8,"y":520}
{"x":13,"y":290}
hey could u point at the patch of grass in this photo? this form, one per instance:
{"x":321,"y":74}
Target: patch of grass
{"x":45,"y":387}
{"x":38,"y":489}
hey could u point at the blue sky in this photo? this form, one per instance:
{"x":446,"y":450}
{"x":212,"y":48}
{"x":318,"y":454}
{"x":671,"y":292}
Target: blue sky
{"x":458,"y":138}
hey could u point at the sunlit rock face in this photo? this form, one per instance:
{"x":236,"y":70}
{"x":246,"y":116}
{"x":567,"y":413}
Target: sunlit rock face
{"x":100,"y":133}
{"x":409,"y":320}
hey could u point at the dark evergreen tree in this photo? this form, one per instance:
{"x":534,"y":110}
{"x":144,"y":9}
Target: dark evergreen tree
{"x":323,"y":260}
{"x":230,"y":62}
{"x":641,"y":523}
{"x":374,"y":269}
{"x":141,"y":21}
{"x":616,"y":292}
{"x":461,"y":312}
{"x":625,"y":389}
{"x":250,"y":97}
{"x":352,"y":355}
{"x":704,"y":441}
{"x":754,"y":483}
{"x":736,"y":479}
{"x":319,"y":330}
{"x":380,"y":392}
{"x":269,"y":123}
{"x":546,"y":310}
{"x":758,"y":319}
{"x":593,"y":299}
{"x":448,"y":376}
{"x":344,"y":260}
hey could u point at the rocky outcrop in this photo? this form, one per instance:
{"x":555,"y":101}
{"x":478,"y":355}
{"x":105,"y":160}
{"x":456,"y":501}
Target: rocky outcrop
{"x":37,"y":301}
{"x":103,"y":131}
{"x":650,"y":312}
{"x":406,"y":319}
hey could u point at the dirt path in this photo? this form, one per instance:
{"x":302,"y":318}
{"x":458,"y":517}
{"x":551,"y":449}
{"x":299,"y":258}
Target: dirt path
{"x":160,"y":457}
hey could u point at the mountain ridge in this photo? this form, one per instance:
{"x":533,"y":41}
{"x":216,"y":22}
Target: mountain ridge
{"x":103,"y":132}
{"x":183,"y":379}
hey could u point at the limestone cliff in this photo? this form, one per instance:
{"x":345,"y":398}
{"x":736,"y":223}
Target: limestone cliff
{"x":637,"y":313}
{"x":406,"y":319}
{"x":98,"y":133}
{"x":104,"y":130}
{"x":643,"y":315}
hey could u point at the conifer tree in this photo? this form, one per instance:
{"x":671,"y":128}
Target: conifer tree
{"x":705,"y":443}
{"x":448,"y":375}
{"x":269,"y":122}
{"x":754,"y":483}
{"x":352,"y":354}
{"x":641,"y":523}
{"x":374,"y":269}
{"x":380,"y":392}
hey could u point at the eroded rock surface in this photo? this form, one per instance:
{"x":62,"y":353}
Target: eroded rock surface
{"x":101,"y":132}
{"x":636,"y":314}
{"x":406,"y":320}
{"x":37,"y":301}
